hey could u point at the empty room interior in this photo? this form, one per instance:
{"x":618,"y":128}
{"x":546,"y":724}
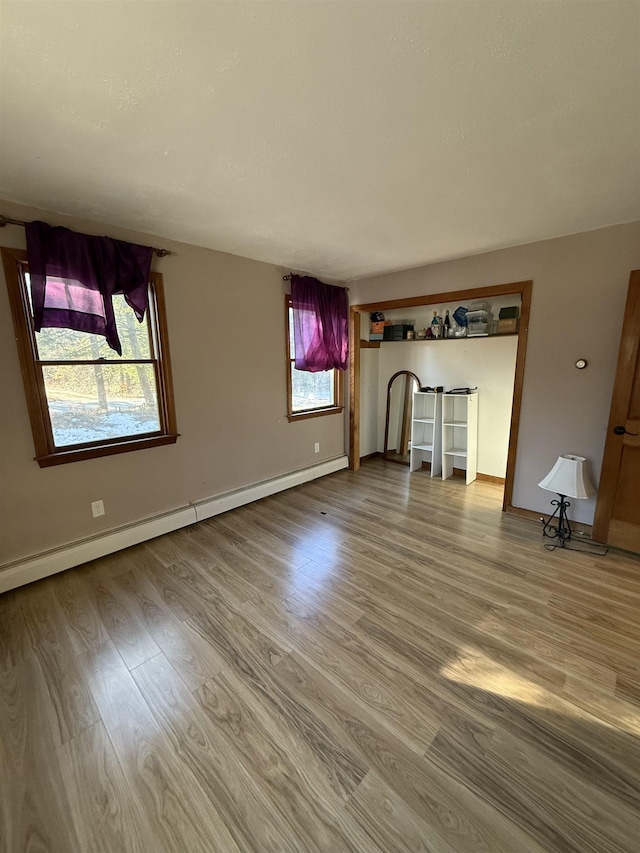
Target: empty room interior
{"x":320,"y":426}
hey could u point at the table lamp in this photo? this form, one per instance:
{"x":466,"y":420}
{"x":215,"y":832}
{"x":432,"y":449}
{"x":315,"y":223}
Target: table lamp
{"x":567,"y":479}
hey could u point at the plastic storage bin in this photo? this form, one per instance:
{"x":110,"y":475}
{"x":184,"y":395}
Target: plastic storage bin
{"x":478,"y":322}
{"x":475,"y":330}
{"x":477,"y":305}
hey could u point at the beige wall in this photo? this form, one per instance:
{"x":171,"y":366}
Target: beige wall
{"x":488,"y":363}
{"x":579,"y":289}
{"x":371,"y":402}
{"x":226,"y":333}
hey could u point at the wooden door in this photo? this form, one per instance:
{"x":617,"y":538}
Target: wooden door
{"x":617,"y":520}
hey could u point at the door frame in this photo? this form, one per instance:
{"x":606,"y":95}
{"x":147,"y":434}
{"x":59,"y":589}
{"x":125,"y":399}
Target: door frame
{"x":521,"y":288}
{"x":620,"y":396}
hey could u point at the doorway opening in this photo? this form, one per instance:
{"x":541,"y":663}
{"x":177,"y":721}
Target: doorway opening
{"x":359,"y":321}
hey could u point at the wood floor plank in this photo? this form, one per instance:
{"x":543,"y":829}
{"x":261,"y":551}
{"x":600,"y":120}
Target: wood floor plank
{"x":292,"y":777}
{"x":183,"y":588}
{"x":34,"y":810}
{"x":593,"y":590}
{"x":178,"y":815}
{"x":561,"y":810}
{"x":128,"y":634}
{"x":612,"y":710}
{"x":468,"y":572}
{"x":401,"y":600}
{"x":376,"y":661}
{"x":574,"y":637}
{"x":628,"y":684}
{"x":140,"y":557}
{"x":554,"y":648}
{"x":14,"y":641}
{"x":253,"y":661}
{"x":455,"y":815}
{"x":237,"y":797}
{"x":223,"y":575}
{"x":99,"y":794}
{"x":390,"y":822}
{"x":440,"y":636}
{"x":527,"y":710}
{"x":618,"y":635}
{"x":293,"y":529}
{"x":380,"y":688}
{"x":261,"y":537}
{"x":84,"y":626}
{"x":68,"y":701}
{"x":342,"y":608}
{"x":265,"y":574}
{"x":193,"y":659}
{"x":220,"y":533}
{"x":214,"y":737}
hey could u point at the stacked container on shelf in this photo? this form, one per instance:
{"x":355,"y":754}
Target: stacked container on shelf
{"x":479,"y":319}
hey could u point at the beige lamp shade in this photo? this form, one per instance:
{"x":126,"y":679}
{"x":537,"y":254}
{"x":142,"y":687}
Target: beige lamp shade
{"x":568,"y":477}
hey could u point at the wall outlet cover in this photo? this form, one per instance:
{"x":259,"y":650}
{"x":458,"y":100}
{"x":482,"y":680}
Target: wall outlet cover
{"x":97,"y":508}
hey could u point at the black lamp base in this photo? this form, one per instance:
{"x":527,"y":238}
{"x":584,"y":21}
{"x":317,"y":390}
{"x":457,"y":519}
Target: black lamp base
{"x":560,"y":531}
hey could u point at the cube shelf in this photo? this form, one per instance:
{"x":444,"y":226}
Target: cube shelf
{"x":444,"y":433}
{"x":460,"y":435}
{"x":426,"y":431}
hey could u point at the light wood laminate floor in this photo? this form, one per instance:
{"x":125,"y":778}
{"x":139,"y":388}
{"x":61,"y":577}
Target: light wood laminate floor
{"x":369,"y":662}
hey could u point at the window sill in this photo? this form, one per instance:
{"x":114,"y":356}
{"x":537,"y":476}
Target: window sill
{"x":61,"y":457}
{"x":301,"y":416}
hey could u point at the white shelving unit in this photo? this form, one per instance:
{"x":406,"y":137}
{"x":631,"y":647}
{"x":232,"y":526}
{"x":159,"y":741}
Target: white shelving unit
{"x":426,"y":431}
{"x":460,"y":434}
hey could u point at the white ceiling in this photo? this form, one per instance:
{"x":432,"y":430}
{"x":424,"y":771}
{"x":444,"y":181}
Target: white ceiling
{"x":340,"y":138}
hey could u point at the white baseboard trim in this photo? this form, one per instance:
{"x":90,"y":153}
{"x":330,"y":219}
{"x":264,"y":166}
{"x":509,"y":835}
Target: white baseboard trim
{"x":230,"y":500}
{"x":59,"y":559}
{"x":47,"y":563}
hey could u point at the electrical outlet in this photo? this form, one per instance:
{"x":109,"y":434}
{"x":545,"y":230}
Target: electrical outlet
{"x":97,"y":508}
{"x":317,"y":447}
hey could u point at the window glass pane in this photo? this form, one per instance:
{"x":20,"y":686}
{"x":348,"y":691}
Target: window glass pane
{"x":292,"y":346}
{"x":66,"y":344}
{"x":305,"y":316}
{"x":96,"y":402}
{"x":311,"y":390}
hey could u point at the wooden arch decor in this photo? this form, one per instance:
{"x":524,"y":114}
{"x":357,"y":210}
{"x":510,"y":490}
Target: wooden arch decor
{"x":407,"y":373}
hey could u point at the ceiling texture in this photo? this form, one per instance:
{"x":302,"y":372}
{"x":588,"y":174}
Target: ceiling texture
{"x":339,"y":138}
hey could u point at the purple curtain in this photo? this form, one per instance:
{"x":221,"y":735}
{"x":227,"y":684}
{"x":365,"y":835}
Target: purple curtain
{"x":75,"y":276}
{"x":320,"y":324}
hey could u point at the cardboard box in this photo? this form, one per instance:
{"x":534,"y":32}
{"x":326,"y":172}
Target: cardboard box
{"x":508,"y":327}
{"x":377,"y":328}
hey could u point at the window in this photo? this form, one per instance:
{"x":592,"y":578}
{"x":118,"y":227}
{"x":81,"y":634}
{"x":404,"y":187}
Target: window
{"x":84,"y":399}
{"x":309,"y":394}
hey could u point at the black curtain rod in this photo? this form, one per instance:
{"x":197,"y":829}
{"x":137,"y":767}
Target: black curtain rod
{"x":6,"y":220}
{"x":288,"y":278}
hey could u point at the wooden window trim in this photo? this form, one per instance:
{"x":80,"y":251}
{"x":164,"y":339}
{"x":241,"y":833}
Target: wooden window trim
{"x":47,"y":454}
{"x":339,"y":380}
